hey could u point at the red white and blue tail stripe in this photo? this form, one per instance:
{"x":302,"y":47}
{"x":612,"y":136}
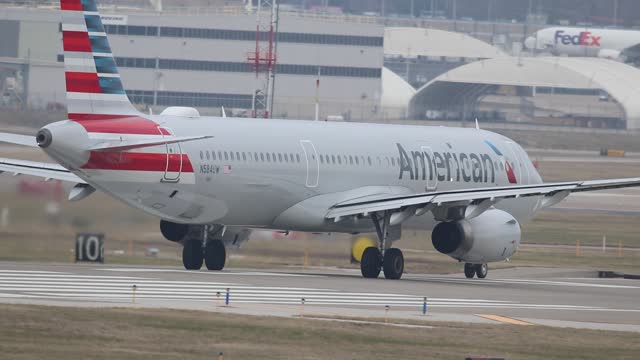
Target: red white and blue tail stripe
{"x":93,"y":82}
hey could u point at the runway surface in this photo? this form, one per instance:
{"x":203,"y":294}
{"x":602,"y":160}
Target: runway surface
{"x":522,"y":296}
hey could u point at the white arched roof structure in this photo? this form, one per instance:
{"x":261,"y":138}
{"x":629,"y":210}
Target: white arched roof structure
{"x":396,"y":92}
{"x":465,"y":84}
{"x":412,"y":42}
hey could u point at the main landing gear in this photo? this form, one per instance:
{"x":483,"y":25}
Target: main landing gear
{"x":199,"y":249}
{"x":471,"y":270}
{"x":389,"y":260}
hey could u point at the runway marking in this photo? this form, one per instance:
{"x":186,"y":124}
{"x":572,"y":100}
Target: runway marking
{"x":505,"y":320}
{"x":521,"y":281}
{"x":74,"y":287}
{"x":239,"y":273}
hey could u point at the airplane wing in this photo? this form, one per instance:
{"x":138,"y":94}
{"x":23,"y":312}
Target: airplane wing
{"x":477,"y":200}
{"x":44,"y":170}
{"x":18,"y":139}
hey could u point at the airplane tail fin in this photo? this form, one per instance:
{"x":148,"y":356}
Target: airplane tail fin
{"x":94,"y":87}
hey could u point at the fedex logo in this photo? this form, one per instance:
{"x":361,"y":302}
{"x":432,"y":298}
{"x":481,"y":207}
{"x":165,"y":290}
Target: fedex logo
{"x":584,"y":38}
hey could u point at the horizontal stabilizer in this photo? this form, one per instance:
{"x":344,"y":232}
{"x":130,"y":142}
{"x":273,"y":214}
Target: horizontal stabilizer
{"x":122,"y":145}
{"x":44,"y":170}
{"x":16,"y":139}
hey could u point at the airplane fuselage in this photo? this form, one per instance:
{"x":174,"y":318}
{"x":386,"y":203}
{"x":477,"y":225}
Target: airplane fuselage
{"x":284,"y":174}
{"x":574,"y":41}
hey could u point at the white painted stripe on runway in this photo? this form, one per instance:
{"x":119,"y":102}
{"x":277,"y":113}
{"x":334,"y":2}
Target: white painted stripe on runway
{"x":4,"y":295}
{"x":168,"y":284}
{"x":30,"y":272}
{"x":68,"y":276}
{"x":525,"y":282}
{"x":212,"y":295}
{"x":244,"y":273}
{"x":334,"y":302}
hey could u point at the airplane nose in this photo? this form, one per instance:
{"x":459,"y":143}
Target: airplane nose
{"x":44,"y":138}
{"x":65,"y":141}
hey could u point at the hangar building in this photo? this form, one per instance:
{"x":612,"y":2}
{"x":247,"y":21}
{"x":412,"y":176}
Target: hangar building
{"x":586,"y":92}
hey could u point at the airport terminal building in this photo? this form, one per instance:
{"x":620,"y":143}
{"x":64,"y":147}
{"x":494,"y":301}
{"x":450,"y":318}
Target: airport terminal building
{"x":201,"y":60}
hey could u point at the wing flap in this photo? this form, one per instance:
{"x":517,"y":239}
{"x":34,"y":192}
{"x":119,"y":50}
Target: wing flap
{"x":43,"y":170}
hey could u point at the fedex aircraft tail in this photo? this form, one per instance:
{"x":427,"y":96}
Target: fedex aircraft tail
{"x":94,"y":87}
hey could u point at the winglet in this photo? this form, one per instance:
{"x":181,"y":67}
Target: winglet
{"x":477,"y":125}
{"x":224,"y":113}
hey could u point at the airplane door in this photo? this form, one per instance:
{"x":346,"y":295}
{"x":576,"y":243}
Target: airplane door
{"x":173,"y":167}
{"x":313,"y":165}
{"x":432,"y":176}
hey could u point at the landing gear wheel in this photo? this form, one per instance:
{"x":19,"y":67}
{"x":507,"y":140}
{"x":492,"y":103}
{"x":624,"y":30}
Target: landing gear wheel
{"x":481,"y":270}
{"x":393,"y":264}
{"x":192,"y":255}
{"x":371,"y":263}
{"x":215,"y":255}
{"x":469,"y":270}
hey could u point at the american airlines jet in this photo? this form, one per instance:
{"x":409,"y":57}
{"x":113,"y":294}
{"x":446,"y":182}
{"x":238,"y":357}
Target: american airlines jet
{"x":613,"y":44}
{"x":212,"y":180}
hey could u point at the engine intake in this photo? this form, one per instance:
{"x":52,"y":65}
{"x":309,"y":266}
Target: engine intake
{"x":492,"y":236}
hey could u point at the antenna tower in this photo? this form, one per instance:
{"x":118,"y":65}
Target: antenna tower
{"x":263,"y":59}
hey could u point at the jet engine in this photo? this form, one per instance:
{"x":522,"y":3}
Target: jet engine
{"x":610,"y":54}
{"x":492,"y":236}
{"x":173,"y":231}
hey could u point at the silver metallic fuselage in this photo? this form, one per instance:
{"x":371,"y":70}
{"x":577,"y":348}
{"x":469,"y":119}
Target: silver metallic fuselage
{"x":314,"y":168}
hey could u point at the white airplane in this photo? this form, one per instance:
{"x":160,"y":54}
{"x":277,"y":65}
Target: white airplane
{"x":614,"y":44}
{"x":211,"y":180}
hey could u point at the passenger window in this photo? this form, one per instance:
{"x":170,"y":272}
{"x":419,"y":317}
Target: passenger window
{"x":339,"y":160}
{"x":238,"y":155}
{"x":244,"y":156}
{"x":220,"y":155}
{"x":393,"y":161}
{"x":298,"y":157}
{"x":286,"y":157}
{"x":262,"y":157}
{"x":201,"y":155}
{"x":268,"y":157}
{"x":280,"y":157}
{"x":357,"y":161}
{"x":333,"y":159}
{"x":226,"y":156}
{"x":274,"y":157}
{"x":213,"y":155}
{"x":232,"y":156}
{"x":321,"y":159}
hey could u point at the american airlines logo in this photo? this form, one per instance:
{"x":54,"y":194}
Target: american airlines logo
{"x":584,"y":38}
{"x":446,"y":166}
{"x":451,"y":166}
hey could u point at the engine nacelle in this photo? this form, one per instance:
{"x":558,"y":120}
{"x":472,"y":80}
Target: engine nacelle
{"x":492,"y":236}
{"x":173,"y":231}
{"x":610,"y":54}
